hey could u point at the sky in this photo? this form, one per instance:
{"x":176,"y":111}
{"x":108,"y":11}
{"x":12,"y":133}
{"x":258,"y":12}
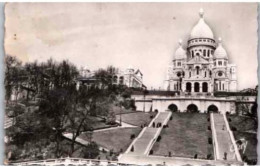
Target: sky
{"x":142,"y":35}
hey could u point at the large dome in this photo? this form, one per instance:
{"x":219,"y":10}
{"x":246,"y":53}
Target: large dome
{"x":180,"y":52}
{"x":201,"y":29}
{"x":220,"y":52}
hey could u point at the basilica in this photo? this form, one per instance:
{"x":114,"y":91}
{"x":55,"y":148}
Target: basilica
{"x":203,"y":66}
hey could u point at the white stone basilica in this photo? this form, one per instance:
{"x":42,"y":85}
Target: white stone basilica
{"x":203,"y":66}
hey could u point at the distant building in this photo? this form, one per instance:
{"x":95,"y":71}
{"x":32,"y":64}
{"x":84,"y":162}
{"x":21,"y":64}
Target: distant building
{"x":130,"y":77}
{"x":203,"y":66}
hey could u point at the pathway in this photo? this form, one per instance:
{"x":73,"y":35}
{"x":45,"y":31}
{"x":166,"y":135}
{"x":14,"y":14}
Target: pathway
{"x":223,"y":138}
{"x":144,"y":142}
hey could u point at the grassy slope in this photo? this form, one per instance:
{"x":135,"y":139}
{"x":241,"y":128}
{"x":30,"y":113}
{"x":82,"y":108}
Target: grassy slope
{"x":245,"y":126}
{"x":115,"y":139}
{"x":186,"y":136}
{"x":136,"y":118}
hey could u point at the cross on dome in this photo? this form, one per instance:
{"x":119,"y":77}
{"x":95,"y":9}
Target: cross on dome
{"x":219,"y":40}
{"x":201,"y":12}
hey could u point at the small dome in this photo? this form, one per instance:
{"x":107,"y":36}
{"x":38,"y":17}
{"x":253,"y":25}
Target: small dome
{"x":220,"y":52}
{"x":201,"y":29}
{"x":180,"y":52}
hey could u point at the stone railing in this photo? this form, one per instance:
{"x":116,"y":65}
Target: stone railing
{"x":214,"y":134}
{"x":64,"y":161}
{"x":238,"y":156}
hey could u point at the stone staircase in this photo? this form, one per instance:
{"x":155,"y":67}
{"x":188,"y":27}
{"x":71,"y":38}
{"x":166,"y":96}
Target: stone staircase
{"x":223,"y":139}
{"x":144,"y":142}
{"x":7,"y":122}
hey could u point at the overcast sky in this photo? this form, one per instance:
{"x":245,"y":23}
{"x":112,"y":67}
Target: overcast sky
{"x":142,"y":35}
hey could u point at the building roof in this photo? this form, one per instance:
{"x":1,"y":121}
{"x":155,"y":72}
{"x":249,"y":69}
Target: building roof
{"x":201,"y":29}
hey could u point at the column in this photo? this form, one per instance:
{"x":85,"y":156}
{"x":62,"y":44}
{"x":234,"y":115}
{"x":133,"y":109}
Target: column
{"x":200,"y":86}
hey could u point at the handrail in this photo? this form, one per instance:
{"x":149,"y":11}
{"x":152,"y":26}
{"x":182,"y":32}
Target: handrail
{"x":61,"y":161}
{"x":232,"y":139}
{"x":214,"y":134}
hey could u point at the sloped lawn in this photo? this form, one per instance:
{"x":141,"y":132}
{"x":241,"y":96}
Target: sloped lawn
{"x":186,"y":136}
{"x":245,"y":127}
{"x":114,"y":139}
{"x":137,"y":118}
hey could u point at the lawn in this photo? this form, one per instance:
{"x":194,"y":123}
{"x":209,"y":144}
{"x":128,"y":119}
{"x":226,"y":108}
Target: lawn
{"x":137,"y":118}
{"x":98,"y":123}
{"x":115,"y":139}
{"x":118,"y":110}
{"x":245,"y":127}
{"x":186,"y":136}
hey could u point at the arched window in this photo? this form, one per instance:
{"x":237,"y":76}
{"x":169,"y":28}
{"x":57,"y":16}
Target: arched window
{"x":190,"y":74}
{"x":205,"y":74}
{"x":220,"y":86}
{"x":196,"y":87}
{"x":208,"y":53}
{"x":204,"y":87}
{"x":197,"y":70}
{"x":188,"y":87}
{"x":223,"y":86}
{"x":204,"y":53}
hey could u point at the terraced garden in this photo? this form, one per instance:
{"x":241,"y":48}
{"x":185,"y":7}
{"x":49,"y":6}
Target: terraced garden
{"x":137,"y":118}
{"x":245,"y":128}
{"x":186,"y":136}
{"x":114,"y":139}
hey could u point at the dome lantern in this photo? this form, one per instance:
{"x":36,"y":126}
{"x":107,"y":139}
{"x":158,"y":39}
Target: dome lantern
{"x":201,"y":29}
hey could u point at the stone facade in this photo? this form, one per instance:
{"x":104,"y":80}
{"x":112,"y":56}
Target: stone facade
{"x":203,"y":66}
{"x":130,"y":77}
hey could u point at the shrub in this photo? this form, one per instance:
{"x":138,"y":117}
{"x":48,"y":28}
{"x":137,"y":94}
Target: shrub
{"x":151,"y":152}
{"x":170,"y":154}
{"x":209,"y":128}
{"x":156,"y":110}
{"x":209,"y":156}
{"x":229,"y":120}
{"x":91,"y":151}
{"x":132,"y":136}
{"x":132,"y":149}
{"x":164,"y":126}
{"x":121,"y":150}
{"x":233,"y":128}
{"x":111,"y":152}
{"x":210,"y":140}
{"x":159,"y":138}
{"x":171,"y":118}
{"x":208,"y":119}
{"x":151,"y":116}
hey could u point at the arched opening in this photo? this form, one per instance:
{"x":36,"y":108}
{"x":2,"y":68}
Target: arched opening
{"x":192,"y":108}
{"x":196,"y":87}
{"x":213,"y":108}
{"x":197,"y":70}
{"x":204,"y":87}
{"x":173,"y":108}
{"x":188,"y":87}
